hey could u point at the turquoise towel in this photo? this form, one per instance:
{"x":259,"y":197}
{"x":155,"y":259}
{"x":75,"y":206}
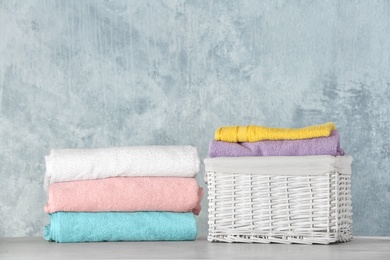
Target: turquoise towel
{"x":120,"y":226}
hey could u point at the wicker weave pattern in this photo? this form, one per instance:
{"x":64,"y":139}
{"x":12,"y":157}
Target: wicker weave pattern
{"x":282,"y":209}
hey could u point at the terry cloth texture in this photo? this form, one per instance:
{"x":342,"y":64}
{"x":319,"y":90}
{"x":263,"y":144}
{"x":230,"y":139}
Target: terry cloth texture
{"x":88,"y":164}
{"x":120,"y":226}
{"x":254,"y":133}
{"x":315,"y":146}
{"x":126,"y":194}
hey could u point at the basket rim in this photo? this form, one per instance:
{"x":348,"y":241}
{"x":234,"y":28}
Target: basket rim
{"x":280,"y":165}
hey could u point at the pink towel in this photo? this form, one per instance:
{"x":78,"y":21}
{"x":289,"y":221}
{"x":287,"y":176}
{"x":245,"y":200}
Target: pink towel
{"x":126,"y":194}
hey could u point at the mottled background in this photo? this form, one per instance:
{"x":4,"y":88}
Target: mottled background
{"x":115,"y":73}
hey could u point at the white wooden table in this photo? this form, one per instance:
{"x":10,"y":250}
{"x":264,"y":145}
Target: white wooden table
{"x":37,"y":248}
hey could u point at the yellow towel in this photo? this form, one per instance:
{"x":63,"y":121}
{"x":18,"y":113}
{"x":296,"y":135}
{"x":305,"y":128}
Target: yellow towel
{"x":253,"y":133}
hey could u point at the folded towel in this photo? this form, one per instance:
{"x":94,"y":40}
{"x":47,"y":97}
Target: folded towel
{"x":126,"y":194}
{"x":315,"y":146}
{"x":120,"y":226}
{"x":254,"y":133}
{"x":280,"y":165}
{"x":89,"y":164}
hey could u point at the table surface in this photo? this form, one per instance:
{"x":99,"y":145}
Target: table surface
{"x":37,"y":248}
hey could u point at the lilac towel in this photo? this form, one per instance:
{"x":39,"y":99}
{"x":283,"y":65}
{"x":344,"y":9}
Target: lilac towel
{"x":316,"y":146}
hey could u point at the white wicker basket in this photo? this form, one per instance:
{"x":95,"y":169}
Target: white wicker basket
{"x":264,"y":208}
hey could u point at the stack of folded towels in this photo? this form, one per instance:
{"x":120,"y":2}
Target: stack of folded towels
{"x":237,"y":141}
{"x":280,"y":150}
{"x":139,"y":193}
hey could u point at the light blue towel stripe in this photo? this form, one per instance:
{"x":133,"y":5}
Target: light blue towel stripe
{"x":68,"y":227}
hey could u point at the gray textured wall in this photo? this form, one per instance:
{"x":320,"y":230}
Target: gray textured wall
{"x":114,"y":73}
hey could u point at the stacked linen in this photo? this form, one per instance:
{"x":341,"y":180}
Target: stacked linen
{"x":276,"y":150}
{"x":237,"y":141}
{"x":122,"y":194}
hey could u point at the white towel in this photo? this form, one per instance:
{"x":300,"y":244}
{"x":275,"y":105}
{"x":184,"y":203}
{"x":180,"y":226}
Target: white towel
{"x":280,"y":165}
{"x":83,"y":164}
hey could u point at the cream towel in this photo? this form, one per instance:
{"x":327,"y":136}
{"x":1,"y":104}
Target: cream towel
{"x":88,"y":164}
